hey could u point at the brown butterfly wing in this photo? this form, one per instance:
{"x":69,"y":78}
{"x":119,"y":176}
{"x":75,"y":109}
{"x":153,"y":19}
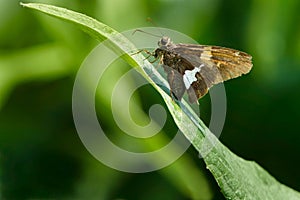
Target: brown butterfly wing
{"x":217,"y":64}
{"x":230,"y":63}
{"x":175,"y":81}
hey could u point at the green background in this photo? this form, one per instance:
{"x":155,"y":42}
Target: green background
{"x":41,"y":155}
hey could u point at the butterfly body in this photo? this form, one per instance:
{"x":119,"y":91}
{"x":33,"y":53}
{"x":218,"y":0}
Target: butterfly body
{"x":196,"y":68}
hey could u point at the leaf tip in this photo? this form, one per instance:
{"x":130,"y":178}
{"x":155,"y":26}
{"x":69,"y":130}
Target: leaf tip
{"x":23,"y":4}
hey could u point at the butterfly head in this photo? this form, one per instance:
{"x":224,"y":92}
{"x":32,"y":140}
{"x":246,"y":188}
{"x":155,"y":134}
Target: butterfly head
{"x":165,"y":42}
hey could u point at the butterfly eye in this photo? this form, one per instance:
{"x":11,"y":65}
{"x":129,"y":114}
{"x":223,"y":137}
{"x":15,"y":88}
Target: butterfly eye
{"x":164,"y":41}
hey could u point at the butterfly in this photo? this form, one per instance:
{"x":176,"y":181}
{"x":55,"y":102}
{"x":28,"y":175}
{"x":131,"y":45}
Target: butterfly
{"x":196,"y":68}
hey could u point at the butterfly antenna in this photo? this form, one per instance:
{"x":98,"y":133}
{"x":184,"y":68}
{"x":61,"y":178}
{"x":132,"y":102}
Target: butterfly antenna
{"x":139,"y":30}
{"x":149,"y":19}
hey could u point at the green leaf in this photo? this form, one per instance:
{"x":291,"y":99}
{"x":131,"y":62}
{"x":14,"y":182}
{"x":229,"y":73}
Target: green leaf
{"x":237,"y":178}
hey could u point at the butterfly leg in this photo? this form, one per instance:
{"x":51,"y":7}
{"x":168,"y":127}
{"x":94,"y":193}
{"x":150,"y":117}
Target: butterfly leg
{"x":147,"y":52}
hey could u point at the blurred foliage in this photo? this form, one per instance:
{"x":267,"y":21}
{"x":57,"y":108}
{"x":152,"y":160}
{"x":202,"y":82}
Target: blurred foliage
{"x":41,"y":155}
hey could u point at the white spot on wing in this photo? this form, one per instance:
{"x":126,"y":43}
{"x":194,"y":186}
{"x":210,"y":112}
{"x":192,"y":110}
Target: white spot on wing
{"x":190,"y":76}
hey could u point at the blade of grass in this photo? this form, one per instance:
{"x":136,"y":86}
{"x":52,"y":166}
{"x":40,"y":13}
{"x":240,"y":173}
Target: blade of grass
{"x":237,"y":178}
